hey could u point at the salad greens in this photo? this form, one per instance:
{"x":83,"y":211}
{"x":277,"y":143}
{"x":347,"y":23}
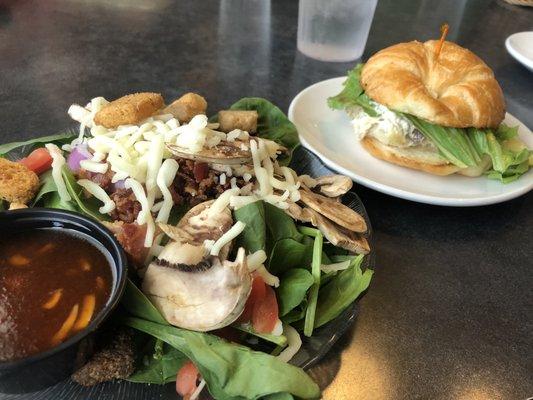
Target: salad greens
{"x":292,"y":289}
{"x":297,"y":260}
{"x":272,"y":124}
{"x":341,"y":291}
{"x":312,"y":299}
{"x":461,"y":147}
{"x":17,"y":150}
{"x":160,"y":367}
{"x":305,"y":296}
{"x":230,"y":370}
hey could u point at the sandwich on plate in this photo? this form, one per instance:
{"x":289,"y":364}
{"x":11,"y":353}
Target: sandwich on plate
{"x":434,"y":107}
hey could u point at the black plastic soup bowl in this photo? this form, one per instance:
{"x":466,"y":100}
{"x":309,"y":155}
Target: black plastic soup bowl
{"x":51,"y":366}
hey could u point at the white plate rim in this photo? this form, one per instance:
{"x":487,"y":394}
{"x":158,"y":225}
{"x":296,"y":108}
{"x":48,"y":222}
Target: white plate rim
{"x":527,"y":62}
{"x":400,"y":193}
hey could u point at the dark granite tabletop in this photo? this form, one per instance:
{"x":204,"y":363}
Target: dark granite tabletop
{"x":449,"y":314}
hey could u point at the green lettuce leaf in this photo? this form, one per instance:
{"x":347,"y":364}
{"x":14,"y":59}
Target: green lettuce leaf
{"x":353,"y":94}
{"x":453,"y":143}
{"x":507,"y":164}
{"x":461,"y":147}
{"x":505,"y":132}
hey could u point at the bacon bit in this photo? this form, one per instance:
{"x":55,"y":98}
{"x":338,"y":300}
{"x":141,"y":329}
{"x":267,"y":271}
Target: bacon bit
{"x":87,"y":310}
{"x":62,"y":333}
{"x":100,"y":282}
{"x":200,"y":171}
{"x":85,"y":265}
{"x":443,"y":32}
{"x":18,"y":260}
{"x":47,"y":247}
{"x":53,"y":300}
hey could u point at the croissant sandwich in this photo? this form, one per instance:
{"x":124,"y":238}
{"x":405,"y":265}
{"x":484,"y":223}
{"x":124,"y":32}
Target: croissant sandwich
{"x":434,"y":107}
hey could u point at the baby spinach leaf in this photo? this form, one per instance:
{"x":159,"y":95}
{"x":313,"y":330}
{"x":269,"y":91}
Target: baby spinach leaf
{"x":280,"y":225}
{"x":138,"y":305}
{"x":292,"y":289}
{"x":287,"y":254}
{"x":253,"y":237}
{"x":272,"y":124}
{"x":297,"y":314}
{"x":279,"y":396}
{"x":277,"y":340}
{"x":88,"y":206}
{"x":232,"y":371}
{"x":341,"y":291}
{"x":25,"y":147}
{"x":159,"y":369}
{"x":47,"y":186}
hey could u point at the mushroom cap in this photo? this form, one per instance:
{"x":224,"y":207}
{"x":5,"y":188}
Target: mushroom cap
{"x":334,"y":210}
{"x":334,"y":185}
{"x":227,"y":153}
{"x":201,"y":299}
{"x":340,"y":236}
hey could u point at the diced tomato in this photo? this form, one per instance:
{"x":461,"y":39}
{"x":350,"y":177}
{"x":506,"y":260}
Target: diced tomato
{"x":258,"y":292}
{"x":38,"y":161}
{"x":265,"y":312}
{"x":186,"y":379}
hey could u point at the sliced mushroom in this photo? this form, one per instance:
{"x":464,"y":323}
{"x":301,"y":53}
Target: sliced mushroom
{"x":340,"y":236}
{"x":192,"y":289}
{"x":328,"y":185}
{"x":336,"y":234}
{"x":202,"y":223}
{"x":226,"y":153}
{"x":334,"y":185}
{"x":334,"y":210}
{"x":198,"y":295}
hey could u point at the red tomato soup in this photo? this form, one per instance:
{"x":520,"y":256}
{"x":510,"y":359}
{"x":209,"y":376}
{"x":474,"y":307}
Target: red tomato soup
{"x":52,"y":285}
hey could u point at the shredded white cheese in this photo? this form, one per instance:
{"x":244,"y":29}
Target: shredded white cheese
{"x":145,"y":216}
{"x":294,"y":342}
{"x":327,"y":268}
{"x":222,"y":202}
{"x":270,"y":280}
{"x":227,"y":237}
{"x":100,"y":194}
{"x":93,"y":166}
{"x":58,"y":161}
{"x":166,"y":175}
{"x":255,"y":260}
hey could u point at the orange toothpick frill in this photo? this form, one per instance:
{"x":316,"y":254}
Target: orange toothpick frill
{"x":443,"y":33}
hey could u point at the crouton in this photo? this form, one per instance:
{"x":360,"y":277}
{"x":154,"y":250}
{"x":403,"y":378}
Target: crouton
{"x":186,"y":107}
{"x":237,"y":119}
{"x":130,"y":109}
{"x":17,"y":206}
{"x":18,"y":184}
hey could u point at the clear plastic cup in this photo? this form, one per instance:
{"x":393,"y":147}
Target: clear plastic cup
{"x":334,"y":30}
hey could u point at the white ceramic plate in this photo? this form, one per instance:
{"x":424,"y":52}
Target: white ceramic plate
{"x":328,"y":134}
{"x":520,"y":46}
